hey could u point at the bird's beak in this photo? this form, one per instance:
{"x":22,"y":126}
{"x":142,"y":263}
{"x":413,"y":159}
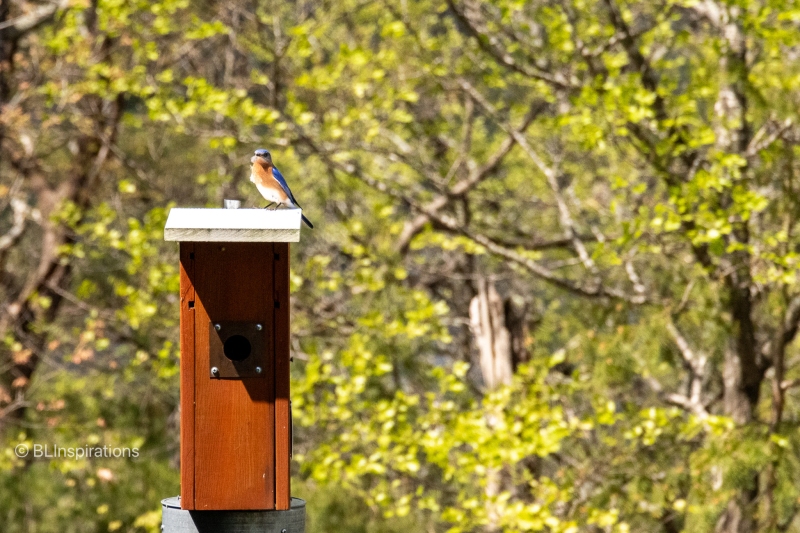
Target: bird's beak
{"x":253,"y":159}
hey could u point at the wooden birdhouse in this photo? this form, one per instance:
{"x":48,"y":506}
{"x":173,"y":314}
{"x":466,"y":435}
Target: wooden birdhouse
{"x":234,"y":322}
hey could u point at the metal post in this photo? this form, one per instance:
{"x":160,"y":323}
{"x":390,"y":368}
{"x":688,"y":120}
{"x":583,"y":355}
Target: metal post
{"x":176,"y":520}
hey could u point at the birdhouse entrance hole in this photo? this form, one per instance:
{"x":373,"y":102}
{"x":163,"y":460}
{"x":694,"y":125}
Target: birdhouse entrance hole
{"x":237,"y":348}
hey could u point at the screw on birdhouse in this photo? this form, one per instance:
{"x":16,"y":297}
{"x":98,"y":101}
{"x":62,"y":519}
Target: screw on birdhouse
{"x":259,"y":327}
{"x":214,"y":371}
{"x":217,"y":327}
{"x":258,"y":370}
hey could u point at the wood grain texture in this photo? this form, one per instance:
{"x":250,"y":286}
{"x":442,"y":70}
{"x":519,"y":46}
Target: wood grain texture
{"x":187,"y":322}
{"x":232,"y":235}
{"x":282,"y":412}
{"x":234,"y":464}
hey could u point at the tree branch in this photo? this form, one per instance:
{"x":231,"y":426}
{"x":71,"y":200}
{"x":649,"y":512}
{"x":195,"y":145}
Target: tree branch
{"x":16,"y":28}
{"x":461,"y":188}
{"x":595,"y":291}
{"x":565,"y":218}
{"x":470,"y":19}
{"x":20,"y":209}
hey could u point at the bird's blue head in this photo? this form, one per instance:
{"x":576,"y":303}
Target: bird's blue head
{"x":264,"y":154}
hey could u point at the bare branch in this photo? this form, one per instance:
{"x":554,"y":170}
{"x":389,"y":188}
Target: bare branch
{"x":21,"y":210}
{"x":684,"y":299}
{"x":15,"y":28}
{"x":712,"y":12}
{"x":461,"y":188}
{"x":488,"y":41}
{"x":565,"y":218}
{"x":791,"y":322}
{"x":762,"y":141}
{"x":638,"y":286}
{"x":17,"y":404}
{"x":594,"y":290}
{"x":695,"y":362}
{"x":678,"y":400}
{"x":529,"y":243}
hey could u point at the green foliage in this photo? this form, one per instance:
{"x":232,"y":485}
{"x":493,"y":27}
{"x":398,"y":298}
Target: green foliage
{"x":625,"y":169}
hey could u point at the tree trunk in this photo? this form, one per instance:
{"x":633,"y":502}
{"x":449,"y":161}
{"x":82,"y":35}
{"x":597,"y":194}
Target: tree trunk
{"x":743,"y":373}
{"x":500,"y":332}
{"x":739,"y":403}
{"x":488,"y":323}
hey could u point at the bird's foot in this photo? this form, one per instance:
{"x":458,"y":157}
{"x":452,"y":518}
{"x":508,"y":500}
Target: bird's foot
{"x":267,"y":206}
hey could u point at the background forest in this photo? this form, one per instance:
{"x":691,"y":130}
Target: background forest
{"x":553,"y":284}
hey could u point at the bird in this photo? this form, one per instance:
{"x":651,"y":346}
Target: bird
{"x":271,"y":184}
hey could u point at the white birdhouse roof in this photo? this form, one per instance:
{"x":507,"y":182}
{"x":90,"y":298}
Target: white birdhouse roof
{"x":232,"y":225}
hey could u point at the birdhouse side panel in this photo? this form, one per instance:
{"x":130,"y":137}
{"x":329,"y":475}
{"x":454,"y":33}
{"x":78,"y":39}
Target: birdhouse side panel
{"x":234,"y":438}
{"x":282,"y":401}
{"x":187,"y":316}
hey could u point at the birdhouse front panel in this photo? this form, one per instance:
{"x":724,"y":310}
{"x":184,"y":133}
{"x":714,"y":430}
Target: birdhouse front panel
{"x":234,"y":375}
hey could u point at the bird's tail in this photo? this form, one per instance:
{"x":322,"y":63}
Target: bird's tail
{"x":308,"y":222}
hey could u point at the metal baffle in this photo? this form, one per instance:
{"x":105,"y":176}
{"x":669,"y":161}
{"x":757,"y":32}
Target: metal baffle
{"x":176,"y":520}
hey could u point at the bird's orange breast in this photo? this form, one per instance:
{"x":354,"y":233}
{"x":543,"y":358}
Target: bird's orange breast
{"x":263,"y":174}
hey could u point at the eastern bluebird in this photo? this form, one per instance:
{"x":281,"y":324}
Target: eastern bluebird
{"x":270,"y":183}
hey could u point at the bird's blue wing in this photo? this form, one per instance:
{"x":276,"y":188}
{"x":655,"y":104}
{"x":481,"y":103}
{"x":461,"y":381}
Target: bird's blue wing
{"x":282,"y":182}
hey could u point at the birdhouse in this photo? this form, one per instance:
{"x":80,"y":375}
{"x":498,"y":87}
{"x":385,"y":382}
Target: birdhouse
{"x":234,"y":343}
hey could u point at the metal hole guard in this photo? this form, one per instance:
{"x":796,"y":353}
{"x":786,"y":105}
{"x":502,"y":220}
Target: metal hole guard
{"x":176,"y":520}
{"x":230,"y":336}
